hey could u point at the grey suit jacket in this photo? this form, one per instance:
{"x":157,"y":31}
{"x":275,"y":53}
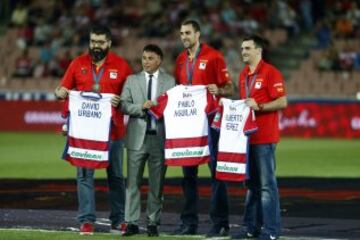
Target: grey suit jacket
{"x":132,"y":99}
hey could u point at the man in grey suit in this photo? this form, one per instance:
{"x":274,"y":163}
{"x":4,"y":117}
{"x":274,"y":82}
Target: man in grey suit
{"x":145,"y":140}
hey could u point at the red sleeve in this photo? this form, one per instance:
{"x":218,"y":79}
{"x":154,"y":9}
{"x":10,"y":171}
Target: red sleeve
{"x":158,"y":110}
{"x":250,"y":124}
{"x":68,"y":79}
{"x":276,"y":86}
{"x":212,"y":103}
{"x":221,"y":71}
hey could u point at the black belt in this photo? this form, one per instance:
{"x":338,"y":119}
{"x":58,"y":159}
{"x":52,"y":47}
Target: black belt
{"x":151,"y":132}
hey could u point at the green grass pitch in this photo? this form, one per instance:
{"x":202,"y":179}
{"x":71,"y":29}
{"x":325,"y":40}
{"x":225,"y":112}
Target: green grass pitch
{"x":27,"y":234}
{"x":37,"y":156}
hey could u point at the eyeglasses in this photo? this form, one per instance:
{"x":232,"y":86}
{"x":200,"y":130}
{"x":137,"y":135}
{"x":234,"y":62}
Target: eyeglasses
{"x":98,"y":42}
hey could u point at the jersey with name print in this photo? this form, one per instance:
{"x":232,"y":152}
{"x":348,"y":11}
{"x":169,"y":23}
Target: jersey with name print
{"x":236,"y":121}
{"x":185,"y":110}
{"x":89,"y":121}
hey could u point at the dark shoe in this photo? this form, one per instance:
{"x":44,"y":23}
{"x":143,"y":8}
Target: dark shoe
{"x":87,"y":228}
{"x":244,"y":235}
{"x":186,"y":230}
{"x":152,"y":231}
{"x":118,"y":229}
{"x":266,"y":236}
{"x":131,"y":229}
{"x":218,"y":231}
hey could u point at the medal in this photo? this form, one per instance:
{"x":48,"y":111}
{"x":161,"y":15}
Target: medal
{"x":96,"y":87}
{"x":97,"y":77}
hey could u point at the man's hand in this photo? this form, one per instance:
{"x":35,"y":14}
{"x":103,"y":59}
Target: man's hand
{"x":252,"y":103}
{"x":64,"y":129}
{"x":61,"y":92}
{"x":147,"y":105}
{"x":115,"y":101}
{"x":213,"y":89}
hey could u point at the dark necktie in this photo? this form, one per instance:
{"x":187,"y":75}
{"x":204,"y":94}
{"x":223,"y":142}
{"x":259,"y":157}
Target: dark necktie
{"x":149,"y":87}
{"x":149,"y":98}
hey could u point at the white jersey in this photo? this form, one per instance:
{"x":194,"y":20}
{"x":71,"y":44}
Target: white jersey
{"x":235,"y":120}
{"x":89,"y":124}
{"x":185,"y":110}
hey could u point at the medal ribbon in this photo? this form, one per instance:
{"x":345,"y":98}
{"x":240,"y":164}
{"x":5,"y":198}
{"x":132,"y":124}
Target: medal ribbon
{"x":98,"y":76}
{"x":190,"y":71}
{"x":247,"y":87}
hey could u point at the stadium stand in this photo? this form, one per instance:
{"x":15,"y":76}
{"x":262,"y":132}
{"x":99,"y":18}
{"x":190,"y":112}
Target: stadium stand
{"x":295,"y":48}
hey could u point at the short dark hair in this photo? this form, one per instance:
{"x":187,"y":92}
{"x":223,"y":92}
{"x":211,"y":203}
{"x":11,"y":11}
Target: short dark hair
{"x":258,"y":40}
{"x":155,"y":49}
{"x":101,"y":30}
{"x":195,"y":24}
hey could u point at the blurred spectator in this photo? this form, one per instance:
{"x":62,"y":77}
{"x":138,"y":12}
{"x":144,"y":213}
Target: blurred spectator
{"x":82,"y":23}
{"x":307,"y":16}
{"x":42,"y":32}
{"x":232,"y":57}
{"x":273,"y":15}
{"x":347,"y":58}
{"x":56,"y":40}
{"x":325,"y":62}
{"x":207,"y":29}
{"x":357,"y":62}
{"x":24,"y":36}
{"x":20,"y":15}
{"x":354,"y":16}
{"x":23,"y":65}
{"x":288,"y":18}
{"x":343,"y":27}
{"x":228,"y":14}
{"x":46,"y":53}
{"x":249,"y":25}
{"x":39,"y":69}
{"x":103,"y":13}
{"x":53,"y":68}
{"x":323,"y":34}
{"x":329,"y":59}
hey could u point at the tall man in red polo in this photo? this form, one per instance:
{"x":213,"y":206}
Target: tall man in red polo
{"x":262,"y":85}
{"x":199,"y":64}
{"x":100,"y":71}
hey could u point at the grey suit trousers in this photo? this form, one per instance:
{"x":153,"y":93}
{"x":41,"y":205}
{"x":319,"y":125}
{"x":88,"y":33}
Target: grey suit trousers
{"x":152,"y":151}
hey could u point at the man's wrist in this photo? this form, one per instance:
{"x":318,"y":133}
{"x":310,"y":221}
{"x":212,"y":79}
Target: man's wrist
{"x":221,"y":92}
{"x":260,"y":106}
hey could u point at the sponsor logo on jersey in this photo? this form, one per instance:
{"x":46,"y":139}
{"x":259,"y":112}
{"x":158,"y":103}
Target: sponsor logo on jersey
{"x":85,"y":155}
{"x":188,"y":153}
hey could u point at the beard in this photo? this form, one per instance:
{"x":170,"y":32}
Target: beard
{"x":188,"y":44}
{"x":98,"y":54}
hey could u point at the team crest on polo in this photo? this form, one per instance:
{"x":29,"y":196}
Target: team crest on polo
{"x":113,"y":75}
{"x":202,"y":64}
{"x":83,"y":71}
{"x":257,"y":85}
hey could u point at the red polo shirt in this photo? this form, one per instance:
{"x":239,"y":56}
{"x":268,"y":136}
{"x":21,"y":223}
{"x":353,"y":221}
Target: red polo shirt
{"x":79,"y":76}
{"x":209,"y":68}
{"x":268,"y":86}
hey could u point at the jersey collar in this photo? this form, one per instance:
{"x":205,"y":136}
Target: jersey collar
{"x":258,"y":67}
